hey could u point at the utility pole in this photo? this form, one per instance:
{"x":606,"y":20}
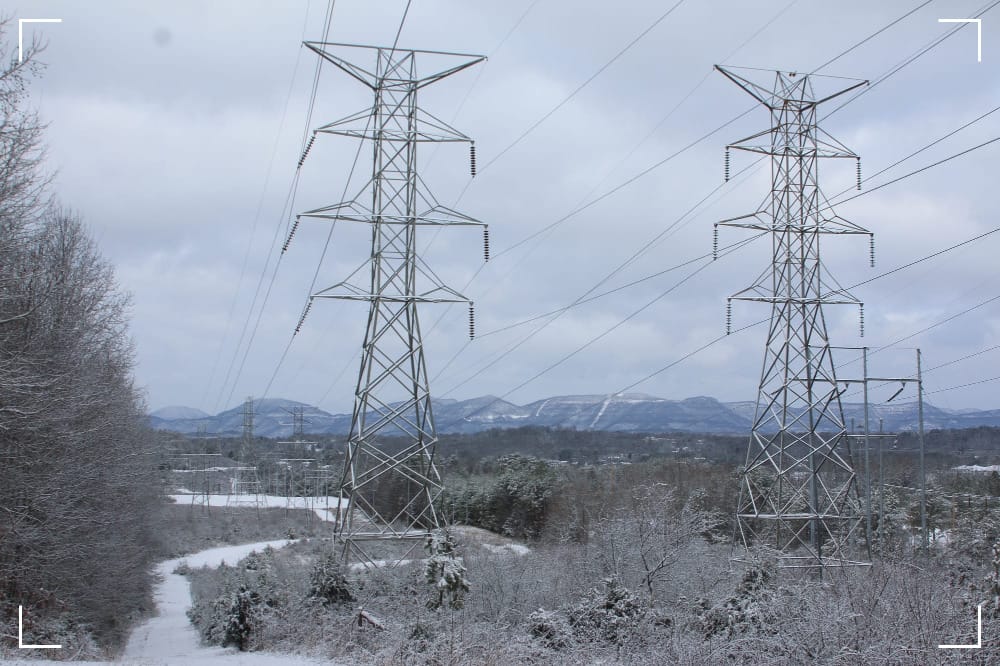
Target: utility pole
{"x":390,"y":480}
{"x":798,"y":489}
{"x":923,"y":469}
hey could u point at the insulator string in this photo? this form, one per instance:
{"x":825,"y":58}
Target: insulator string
{"x":871,"y":250}
{"x":727,"y":164}
{"x":715,"y":242}
{"x":859,"y":173}
{"x":472,"y":159}
{"x":729,"y":316}
{"x":486,"y":243}
{"x":472,"y":321}
{"x":305,"y":313}
{"x":861,"y":318}
{"x":291,"y":234}
{"x":306,"y":151}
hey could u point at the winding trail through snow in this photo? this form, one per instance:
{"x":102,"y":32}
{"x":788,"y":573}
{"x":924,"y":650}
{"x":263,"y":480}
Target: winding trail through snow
{"x":170,"y":638}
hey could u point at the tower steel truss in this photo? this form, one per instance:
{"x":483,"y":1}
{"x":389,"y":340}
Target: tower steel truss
{"x":798,"y":490}
{"x":390,"y":485}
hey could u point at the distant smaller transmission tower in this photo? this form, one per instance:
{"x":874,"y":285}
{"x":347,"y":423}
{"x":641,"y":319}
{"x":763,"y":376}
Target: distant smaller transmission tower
{"x":798,"y":490}
{"x":245,"y":482}
{"x":390,"y":477}
{"x":298,"y":424}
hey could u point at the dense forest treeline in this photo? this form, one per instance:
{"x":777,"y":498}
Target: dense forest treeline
{"x":78,"y":483}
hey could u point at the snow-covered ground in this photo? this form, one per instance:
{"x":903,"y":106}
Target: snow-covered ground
{"x":977,"y":468}
{"x":324,"y":507}
{"x":513,"y":548}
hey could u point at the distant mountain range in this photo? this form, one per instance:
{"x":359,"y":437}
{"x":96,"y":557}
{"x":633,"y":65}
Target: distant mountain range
{"x":631,"y":412}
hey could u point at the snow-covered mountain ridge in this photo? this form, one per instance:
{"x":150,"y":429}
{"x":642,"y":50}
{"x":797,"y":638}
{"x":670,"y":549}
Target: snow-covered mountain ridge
{"x":631,"y":412}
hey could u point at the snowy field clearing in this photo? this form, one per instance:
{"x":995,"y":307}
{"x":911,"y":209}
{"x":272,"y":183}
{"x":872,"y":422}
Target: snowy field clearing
{"x":513,"y":548}
{"x":324,"y":507}
{"x":977,"y":468}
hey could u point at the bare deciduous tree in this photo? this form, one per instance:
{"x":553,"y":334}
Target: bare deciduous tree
{"x":77,"y":479}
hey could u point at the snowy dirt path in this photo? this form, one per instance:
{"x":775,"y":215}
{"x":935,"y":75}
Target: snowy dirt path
{"x":170,"y":638}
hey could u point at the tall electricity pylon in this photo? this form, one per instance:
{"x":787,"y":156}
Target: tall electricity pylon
{"x":390,"y":485}
{"x":798,"y":490}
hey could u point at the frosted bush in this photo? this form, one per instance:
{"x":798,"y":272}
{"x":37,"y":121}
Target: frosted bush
{"x":445,"y":571}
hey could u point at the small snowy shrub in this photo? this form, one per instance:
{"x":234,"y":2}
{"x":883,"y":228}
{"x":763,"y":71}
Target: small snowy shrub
{"x":608,"y":614}
{"x":748,"y":610}
{"x":242,"y":617}
{"x":551,"y":628}
{"x":993,"y":582}
{"x":328,"y":583}
{"x":445,"y":571}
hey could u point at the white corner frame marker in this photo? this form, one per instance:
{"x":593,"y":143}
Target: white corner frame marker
{"x":979,"y":32}
{"x":20,"y":635}
{"x":979,"y":634}
{"x":20,"y":33}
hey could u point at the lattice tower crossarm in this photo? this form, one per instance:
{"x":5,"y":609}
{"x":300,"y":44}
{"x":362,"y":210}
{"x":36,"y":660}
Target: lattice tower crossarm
{"x":798,"y":489}
{"x":391,"y":486}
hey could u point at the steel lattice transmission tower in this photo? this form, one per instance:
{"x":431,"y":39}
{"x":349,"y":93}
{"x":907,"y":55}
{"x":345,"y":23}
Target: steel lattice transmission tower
{"x":391,"y":486}
{"x":245,"y":484}
{"x":798,"y":491}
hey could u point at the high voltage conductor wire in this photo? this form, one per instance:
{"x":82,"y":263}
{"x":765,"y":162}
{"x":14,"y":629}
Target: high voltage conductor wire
{"x":919,"y":53}
{"x":547,"y":228}
{"x":641,"y":174}
{"x":256,"y":217}
{"x":649,"y":134}
{"x":623,"y":287}
{"x":917,"y":152}
{"x":583,"y":206}
{"x":645,"y":306}
{"x":924,"y":168}
{"x":757,"y":323}
{"x":709,"y":256}
{"x":706,"y":136}
{"x":590,"y":291}
{"x":939,"y":366}
{"x":872,"y":36}
{"x":580,"y":87}
{"x":961,"y":386}
{"x":897,"y":180}
{"x":545,"y":117}
{"x":843,"y":53}
{"x":655,"y":166}
{"x":506,"y":37}
{"x":333,"y":225}
{"x":587,"y":205}
{"x":854,"y":286}
{"x":289,"y":199}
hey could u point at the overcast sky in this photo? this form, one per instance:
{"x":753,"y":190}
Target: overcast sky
{"x":175,"y":129}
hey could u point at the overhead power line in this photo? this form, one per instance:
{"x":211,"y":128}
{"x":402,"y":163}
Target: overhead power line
{"x":289,"y":199}
{"x":583,"y":85}
{"x":256,"y":219}
{"x":647,"y":246}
